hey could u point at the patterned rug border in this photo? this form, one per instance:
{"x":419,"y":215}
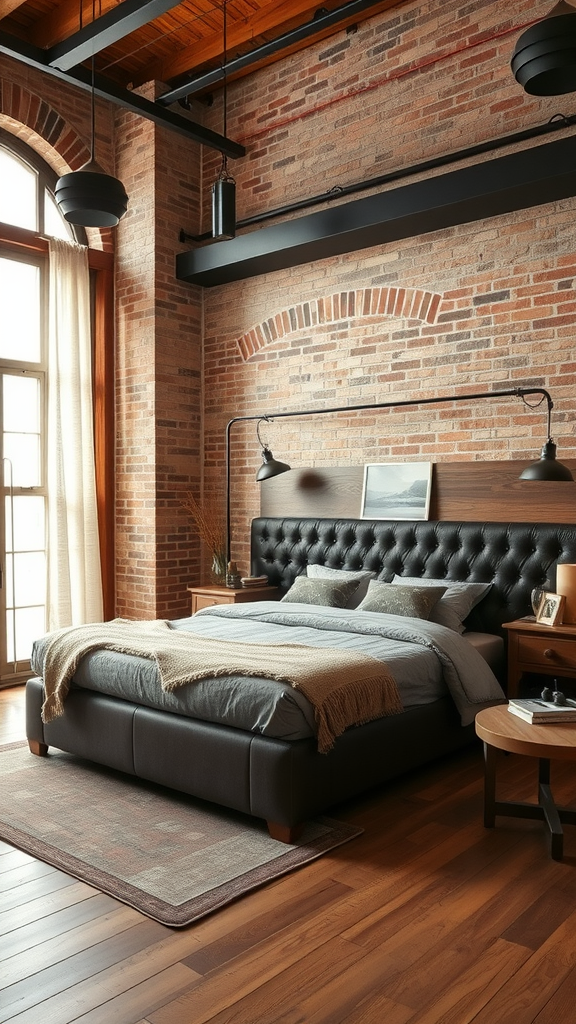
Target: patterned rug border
{"x":183,"y":914}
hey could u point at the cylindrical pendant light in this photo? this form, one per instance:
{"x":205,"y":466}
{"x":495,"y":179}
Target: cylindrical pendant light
{"x":224,"y":188}
{"x":224,"y":205}
{"x":544,"y":58}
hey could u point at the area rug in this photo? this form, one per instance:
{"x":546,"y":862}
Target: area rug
{"x":171,"y":857}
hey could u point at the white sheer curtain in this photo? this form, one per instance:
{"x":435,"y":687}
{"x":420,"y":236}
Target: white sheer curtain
{"x":74,"y":572}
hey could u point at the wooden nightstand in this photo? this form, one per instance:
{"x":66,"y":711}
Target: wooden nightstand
{"x":205,"y":597}
{"x":545,"y":650}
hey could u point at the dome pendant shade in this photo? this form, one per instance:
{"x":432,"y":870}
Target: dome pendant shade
{"x":544,"y":58}
{"x":224,"y":208}
{"x":270,"y":466}
{"x":547,"y":468}
{"x":90,"y":197}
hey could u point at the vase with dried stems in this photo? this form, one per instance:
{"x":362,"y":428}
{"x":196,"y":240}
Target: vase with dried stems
{"x":207,"y":519}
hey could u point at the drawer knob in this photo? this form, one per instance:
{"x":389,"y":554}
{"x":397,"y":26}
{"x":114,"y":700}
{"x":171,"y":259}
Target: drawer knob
{"x":549,"y":653}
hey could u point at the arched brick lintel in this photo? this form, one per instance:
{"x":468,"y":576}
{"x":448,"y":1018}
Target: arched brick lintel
{"x":404,"y":303}
{"x":32,"y":118}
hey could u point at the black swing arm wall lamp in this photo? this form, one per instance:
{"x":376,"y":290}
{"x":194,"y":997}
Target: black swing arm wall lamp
{"x":546,"y":468}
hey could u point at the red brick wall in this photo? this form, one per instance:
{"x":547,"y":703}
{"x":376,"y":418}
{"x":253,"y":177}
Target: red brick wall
{"x":408,"y":85}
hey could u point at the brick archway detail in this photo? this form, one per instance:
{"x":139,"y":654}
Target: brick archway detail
{"x":28,"y":110}
{"x":401,"y":303}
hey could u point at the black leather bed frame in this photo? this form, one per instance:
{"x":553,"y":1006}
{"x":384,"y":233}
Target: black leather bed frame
{"x":287,"y":782}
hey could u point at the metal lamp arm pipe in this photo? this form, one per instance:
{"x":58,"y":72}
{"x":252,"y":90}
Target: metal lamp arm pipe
{"x":508,"y":392}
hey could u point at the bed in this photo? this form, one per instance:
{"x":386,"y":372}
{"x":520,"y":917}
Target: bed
{"x":252,"y":744}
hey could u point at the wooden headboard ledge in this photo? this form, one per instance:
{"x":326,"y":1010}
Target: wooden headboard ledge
{"x":465,"y":491}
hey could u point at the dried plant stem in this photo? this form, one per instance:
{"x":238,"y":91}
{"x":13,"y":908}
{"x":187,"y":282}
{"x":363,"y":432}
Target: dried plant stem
{"x":207,"y":520}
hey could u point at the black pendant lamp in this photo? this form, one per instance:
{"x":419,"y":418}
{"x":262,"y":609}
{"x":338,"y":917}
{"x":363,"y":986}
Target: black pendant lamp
{"x":544,"y":58}
{"x":89,"y":196}
{"x":224,"y":188}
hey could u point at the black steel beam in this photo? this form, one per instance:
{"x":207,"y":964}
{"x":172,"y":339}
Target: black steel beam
{"x":515,"y":182}
{"x":107,"y":90}
{"x":324,"y":19}
{"x":106,"y":30}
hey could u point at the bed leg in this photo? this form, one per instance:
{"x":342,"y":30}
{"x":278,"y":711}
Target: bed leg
{"x":285,"y":833}
{"x":40,"y":749}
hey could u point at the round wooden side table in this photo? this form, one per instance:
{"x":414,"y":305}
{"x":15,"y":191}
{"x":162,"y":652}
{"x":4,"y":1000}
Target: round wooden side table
{"x":501,"y":730}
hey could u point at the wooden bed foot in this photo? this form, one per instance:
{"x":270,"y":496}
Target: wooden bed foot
{"x":40,"y":749}
{"x":285,"y":833}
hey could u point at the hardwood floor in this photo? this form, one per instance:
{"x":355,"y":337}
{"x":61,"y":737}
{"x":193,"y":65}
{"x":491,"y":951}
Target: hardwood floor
{"x":427,"y":918}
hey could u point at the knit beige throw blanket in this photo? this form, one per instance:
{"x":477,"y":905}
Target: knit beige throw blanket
{"x":344,"y":688}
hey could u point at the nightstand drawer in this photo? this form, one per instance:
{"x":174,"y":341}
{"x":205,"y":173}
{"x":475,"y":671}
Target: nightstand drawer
{"x":202,"y":601}
{"x":543,"y":653}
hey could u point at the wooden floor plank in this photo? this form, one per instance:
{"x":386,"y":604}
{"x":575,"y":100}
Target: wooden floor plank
{"x":38,"y":909}
{"x":31,"y":935}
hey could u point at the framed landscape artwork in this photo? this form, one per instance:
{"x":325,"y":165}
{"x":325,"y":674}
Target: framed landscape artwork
{"x":396,"y":490}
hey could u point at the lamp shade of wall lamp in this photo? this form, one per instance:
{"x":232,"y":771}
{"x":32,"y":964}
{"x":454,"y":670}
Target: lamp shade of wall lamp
{"x":270,"y":466}
{"x":544,"y":58}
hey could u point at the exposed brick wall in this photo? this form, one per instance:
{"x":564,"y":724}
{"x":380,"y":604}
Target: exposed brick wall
{"x":158,"y":376}
{"x":409,"y":85}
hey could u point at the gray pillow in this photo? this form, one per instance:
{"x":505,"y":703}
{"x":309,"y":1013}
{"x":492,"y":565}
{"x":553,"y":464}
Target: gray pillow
{"x":362,"y":578}
{"x":416,"y":602}
{"x":329,"y":593}
{"x":457,"y":602}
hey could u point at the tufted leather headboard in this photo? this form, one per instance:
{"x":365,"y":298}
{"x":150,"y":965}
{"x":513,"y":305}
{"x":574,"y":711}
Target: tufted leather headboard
{"x":514,"y":557}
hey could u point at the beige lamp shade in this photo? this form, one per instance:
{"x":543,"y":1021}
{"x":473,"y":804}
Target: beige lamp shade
{"x":566,"y":585}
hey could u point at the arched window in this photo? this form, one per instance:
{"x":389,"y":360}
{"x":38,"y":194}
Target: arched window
{"x":28,"y":213}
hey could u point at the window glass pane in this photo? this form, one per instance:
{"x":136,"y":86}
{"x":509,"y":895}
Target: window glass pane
{"x":54,"y":223}
{"x":30,"y":625}
{"x":23,"y":450}
{"x":30,"y":581}
{"x":20,"y":305}
{"x":21,"y":400}
{"x":18,"y":192}
{"x":29,"y":532}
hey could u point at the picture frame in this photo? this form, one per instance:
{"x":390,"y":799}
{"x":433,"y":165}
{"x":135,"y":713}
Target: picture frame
{"x":396,"y":490}
{"x":550,"y":609}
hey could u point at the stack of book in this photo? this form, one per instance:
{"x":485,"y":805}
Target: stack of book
{"x":542,"y":712}
{"x":254,"y":581}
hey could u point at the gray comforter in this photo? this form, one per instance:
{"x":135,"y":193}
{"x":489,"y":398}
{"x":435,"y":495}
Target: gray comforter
{"x":424,"y":658}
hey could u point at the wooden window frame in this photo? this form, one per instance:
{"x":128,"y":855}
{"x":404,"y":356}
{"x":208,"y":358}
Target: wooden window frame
{"x":102,"y":270}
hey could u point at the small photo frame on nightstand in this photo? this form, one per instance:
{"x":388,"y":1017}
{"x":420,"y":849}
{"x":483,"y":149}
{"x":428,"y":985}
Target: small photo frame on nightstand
{"x":550,"y":609}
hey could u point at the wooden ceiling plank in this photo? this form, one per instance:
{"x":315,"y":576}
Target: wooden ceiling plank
{"x":126,"y":18}
{"x":269,"y":23}
{"x":7,"y":6}
{"x":62,"y":22}
{"x":241,"y":36}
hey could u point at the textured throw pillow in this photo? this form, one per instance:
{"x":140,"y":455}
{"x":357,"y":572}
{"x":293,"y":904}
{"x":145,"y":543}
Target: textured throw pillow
{"x":329,"y":593}
{"x":416,"y":602}
{"x":361,"y":577}
{"x":457,"y":602}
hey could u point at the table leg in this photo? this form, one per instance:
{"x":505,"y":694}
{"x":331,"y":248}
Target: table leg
{"x":546,"y":801}
{"x":490,"y":754}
